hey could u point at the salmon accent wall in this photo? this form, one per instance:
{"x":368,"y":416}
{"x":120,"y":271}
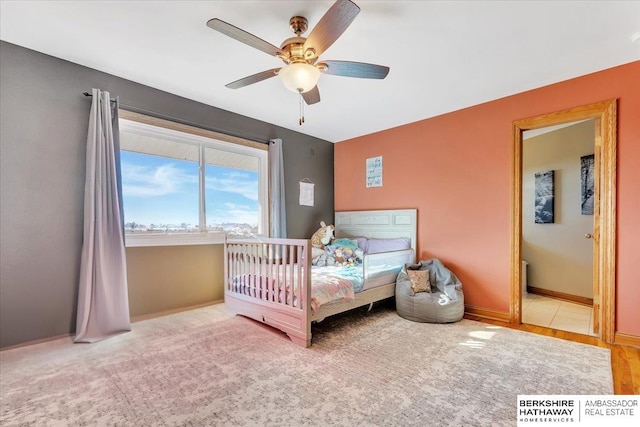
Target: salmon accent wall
{"x":456,"y":169}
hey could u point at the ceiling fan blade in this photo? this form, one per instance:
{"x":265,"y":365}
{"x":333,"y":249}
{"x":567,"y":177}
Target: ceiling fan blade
{"x":255,"y":78}
{"x":244,"y":37}
{"x":331,"y":26}
{"x":355,"y":69}
{"x":312,"y":96}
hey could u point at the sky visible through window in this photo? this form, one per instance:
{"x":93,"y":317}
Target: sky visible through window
{"x":162,"y":193}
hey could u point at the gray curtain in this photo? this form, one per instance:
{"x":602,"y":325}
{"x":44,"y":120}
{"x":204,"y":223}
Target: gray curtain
{"x":103,"y":304}
{"x":277,"y":213}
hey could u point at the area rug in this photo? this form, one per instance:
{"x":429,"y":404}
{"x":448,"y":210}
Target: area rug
{"x":206,"y":367}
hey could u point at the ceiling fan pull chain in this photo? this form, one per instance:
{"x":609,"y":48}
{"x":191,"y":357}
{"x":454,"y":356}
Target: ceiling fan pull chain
{"x":301,"y":121}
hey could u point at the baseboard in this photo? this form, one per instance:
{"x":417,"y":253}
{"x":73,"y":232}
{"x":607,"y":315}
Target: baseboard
{"x":133,"y":319}
{"x":172,"y":311}
{"x":487,"y":314}
{"x":560,"y":295}
{"x":34,"y":342}
{"x":624,"y":339}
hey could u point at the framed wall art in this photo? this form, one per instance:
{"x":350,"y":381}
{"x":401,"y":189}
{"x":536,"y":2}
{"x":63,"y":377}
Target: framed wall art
{"x":544,"y":198}
{"x":586,"y":184}
{"x":374,"y":172}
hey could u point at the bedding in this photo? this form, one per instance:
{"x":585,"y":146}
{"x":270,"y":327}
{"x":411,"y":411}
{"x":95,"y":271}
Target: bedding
{"x":334,"y":282}
{"x":328,"y":284}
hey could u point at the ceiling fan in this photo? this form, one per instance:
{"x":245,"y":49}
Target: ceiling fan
{"x":300,"y":54}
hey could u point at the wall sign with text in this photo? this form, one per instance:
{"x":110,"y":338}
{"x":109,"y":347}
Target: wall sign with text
{"x":374,"y":172}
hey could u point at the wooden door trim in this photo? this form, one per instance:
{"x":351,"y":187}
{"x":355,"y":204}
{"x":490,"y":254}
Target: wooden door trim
{"x":605,"y":115}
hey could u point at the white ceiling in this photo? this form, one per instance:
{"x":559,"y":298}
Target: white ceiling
{"x":443,"y":55}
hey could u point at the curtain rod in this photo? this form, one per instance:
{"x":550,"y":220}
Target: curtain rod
{"x":182,"y":121}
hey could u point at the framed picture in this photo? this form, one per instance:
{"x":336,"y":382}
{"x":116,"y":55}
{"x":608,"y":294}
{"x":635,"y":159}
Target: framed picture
{"x":374,"y":172}
{"x":586,"y":183}
{"x":544,"y":197}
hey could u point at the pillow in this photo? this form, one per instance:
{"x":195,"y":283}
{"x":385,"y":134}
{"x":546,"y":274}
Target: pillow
{"x":362,"y":243}
{"x":375,"y":246}
{"x":419,"y":280}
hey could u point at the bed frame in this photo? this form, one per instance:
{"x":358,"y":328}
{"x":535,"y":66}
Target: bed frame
{"x":276,"y":285}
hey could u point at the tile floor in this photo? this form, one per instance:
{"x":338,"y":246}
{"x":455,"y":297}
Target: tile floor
{"x":557,"y":314}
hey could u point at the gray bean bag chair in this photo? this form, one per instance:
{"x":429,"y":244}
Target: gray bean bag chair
{"x":443,"y":302}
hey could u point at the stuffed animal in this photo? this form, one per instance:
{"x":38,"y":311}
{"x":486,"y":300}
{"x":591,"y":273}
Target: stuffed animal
{"x":347,"y":257}
{"x":323,"y":236}
{"x":341,"y":256}
{"x":323,"y":261}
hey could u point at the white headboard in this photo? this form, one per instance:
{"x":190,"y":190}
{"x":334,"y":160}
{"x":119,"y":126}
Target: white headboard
{"x":379,"y":224}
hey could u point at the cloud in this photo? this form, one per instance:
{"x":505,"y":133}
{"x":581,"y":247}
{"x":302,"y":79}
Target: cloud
{"x":235,"y":182}
{"x":145,"y":181}
{"x":233,"y":206}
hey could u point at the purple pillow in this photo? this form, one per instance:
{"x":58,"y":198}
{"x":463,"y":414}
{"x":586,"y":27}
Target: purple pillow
{"x":362,"y":243}
{"x":375,"y":246}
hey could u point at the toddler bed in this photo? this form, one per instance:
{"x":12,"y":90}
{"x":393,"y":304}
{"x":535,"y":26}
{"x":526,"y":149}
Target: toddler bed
{"x":273,"y":280}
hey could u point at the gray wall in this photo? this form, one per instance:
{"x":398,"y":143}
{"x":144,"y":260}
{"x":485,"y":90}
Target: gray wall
{"x":43,"y":127}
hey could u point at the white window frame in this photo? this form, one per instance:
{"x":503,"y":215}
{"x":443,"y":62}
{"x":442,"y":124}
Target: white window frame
{"x":203,"y":237}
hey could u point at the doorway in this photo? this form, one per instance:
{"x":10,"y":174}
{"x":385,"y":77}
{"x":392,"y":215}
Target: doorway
{"x":604,"y":115}
{"x":557,"y":251}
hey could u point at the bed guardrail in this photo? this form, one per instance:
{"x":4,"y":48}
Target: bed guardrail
{"x":268,"y":269}
{"x":274,"y":277}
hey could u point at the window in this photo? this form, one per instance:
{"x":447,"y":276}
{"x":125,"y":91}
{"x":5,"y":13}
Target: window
{"x":182,"y":188}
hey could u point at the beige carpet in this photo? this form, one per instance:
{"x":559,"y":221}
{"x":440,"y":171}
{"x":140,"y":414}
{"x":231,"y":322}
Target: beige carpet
{"x":205,"y":368}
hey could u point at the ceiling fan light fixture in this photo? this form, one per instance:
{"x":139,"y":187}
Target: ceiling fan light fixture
{"x":299,"y":77}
